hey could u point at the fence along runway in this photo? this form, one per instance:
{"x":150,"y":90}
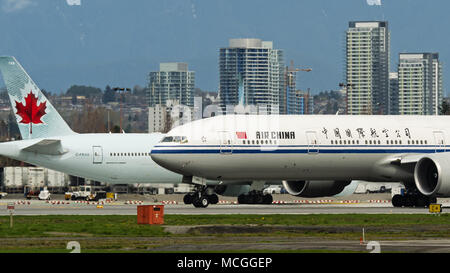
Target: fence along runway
{"x":129,"y":207}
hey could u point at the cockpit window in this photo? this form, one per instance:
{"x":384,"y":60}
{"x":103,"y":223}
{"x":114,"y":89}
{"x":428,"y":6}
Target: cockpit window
{"x":178,"y":139}
{"x":167,"y":139}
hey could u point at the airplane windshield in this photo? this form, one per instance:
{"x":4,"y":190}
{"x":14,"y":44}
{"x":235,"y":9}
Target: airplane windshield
{"x":167,"y":139}
{"x":179,"y":139}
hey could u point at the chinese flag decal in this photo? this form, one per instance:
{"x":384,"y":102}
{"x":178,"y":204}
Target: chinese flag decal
{"x":31,"y":112}
{"x":241,"y":135}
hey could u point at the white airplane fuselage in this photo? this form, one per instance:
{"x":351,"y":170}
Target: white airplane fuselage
{"x":309,"y":147}
{"x":111,"y":158}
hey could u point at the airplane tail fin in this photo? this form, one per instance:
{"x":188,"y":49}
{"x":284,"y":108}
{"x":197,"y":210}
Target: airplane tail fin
{"x":36,"y":116}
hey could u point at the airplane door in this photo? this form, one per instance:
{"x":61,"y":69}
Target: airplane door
{"x":313,"y":144}
{"x":226,"y":142}
{"x":439,"y":140}
{"x":97,"y":153}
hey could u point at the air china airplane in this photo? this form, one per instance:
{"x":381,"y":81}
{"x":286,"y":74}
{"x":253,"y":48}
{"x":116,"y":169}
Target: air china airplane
{"x":113,"y":158}
{"x":316,"y":155}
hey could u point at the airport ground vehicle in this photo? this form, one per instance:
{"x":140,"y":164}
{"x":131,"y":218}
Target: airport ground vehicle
{"x":36,"y":193}
{"x":88,"y":193}
{"x":273,"y":189}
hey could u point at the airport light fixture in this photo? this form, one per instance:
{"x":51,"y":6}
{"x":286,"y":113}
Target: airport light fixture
{"x":121,"y":90}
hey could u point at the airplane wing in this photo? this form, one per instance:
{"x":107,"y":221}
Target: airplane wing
{"x":412,"y":158}
{"x":406,"y":159}
{"x":46,"y":146}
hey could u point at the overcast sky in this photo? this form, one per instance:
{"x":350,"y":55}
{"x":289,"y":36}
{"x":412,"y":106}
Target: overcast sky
{"x":117,"y":42}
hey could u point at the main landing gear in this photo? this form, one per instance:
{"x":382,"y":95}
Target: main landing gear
{"x":201,"y":197}
{"x":412,"y":198}
{"x":255,"y":197}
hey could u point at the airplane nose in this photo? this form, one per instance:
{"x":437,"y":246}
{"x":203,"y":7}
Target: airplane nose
{"x":166,"y":159}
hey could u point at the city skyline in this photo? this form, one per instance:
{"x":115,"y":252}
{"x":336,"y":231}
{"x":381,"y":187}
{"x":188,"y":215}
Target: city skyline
{"x":91,"y":44}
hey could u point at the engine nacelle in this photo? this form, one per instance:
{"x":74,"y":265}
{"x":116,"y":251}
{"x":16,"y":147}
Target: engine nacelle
{"x":432,"y":174}
{"x":231,"y":190}
{"x":314,"y":188}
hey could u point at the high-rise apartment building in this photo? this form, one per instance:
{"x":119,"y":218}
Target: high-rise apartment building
{"x":367,"y":67}
{"x":173,"y":81}
{"x":393,"y":93}
{"x":419,"y":84}
{"x":251,"y":73}
{"x":172,"y":87}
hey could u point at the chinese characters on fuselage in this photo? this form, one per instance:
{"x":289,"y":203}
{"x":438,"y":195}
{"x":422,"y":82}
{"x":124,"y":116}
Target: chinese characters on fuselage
{"x":363,"y":133}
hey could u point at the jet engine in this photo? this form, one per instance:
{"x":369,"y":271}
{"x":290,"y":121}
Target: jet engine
{"x":315,"y":188}
{"x":432,"y":175}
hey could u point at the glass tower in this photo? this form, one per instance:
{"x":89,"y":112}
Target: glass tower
{"x":251,"y":73}
{"x":367,"y":68}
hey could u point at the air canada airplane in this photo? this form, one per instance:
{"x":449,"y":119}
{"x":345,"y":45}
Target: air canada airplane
{"x":316,"y":155}
{"x":113,"y":158}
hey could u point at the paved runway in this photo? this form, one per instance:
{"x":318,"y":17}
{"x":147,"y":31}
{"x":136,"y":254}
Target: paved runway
{"x":120,"y":208}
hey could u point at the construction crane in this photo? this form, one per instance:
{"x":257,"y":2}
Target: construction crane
{"x":292,"y":69}
{"x":290,"y":81}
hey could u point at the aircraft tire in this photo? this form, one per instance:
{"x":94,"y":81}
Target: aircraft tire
{"x":242,"y":199}
{"x":422,"y":201}
{"x":397,"y":201}
{"x":188,"y":199}
{"x":213,"y":199}
{"x":201,"y":202}
{"x":267,"y":199}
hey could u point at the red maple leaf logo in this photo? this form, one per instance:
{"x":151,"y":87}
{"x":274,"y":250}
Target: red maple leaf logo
{"x":31,"y":112}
